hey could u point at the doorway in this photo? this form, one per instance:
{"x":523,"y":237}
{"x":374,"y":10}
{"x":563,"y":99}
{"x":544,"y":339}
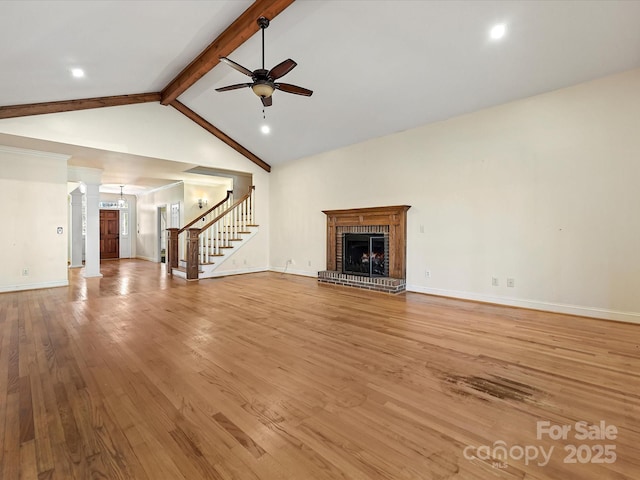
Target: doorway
{"x":109,"y":234}
{"x":162,"y":234}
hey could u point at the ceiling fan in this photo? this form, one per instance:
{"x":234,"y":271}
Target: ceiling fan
{"x":264,"y":81}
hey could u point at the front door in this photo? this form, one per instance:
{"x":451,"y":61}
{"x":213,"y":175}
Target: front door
{"x":109,"y":234}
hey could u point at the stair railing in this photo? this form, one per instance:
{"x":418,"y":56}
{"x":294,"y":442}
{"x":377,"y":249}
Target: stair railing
{"x":226,"y":228}
{"x":176,"y":245}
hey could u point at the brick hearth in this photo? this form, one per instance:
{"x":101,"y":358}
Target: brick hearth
{"x":388,"y":221}
{"x":380,"y":284}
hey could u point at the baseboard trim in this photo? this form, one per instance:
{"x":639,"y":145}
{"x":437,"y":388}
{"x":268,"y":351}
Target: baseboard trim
{"x":34,"y":286}
{"x":592,"y":312}
{"x":148,"y":259}
{"x":293,"y":271}
{"x":242,"y":271}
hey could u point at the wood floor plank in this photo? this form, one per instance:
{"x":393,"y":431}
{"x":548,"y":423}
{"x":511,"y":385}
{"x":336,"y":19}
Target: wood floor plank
{"x":44,"y":453}
{"x":13,"y":365}
{"x":11,"y":452}
{"x":275,"y":377}
{"x":27,"y":429}
{"x":28,"y":462}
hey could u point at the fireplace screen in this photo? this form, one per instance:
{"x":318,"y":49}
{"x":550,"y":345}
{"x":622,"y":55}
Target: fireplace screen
{"x":364,"y":254}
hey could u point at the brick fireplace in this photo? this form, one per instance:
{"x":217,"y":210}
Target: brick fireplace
{"x":387,"y":222}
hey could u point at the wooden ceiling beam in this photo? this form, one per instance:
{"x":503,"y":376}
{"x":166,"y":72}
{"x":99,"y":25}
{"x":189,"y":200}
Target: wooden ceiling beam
{"x":235,"y":35}
{"x":186,"y":111}
{"x":12,"y":111}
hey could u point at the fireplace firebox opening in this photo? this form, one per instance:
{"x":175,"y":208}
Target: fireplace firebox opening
{"x":365,"y":254}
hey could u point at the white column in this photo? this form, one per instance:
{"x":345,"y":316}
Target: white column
{"x":92,"y":239}
{"x":76,"y":229}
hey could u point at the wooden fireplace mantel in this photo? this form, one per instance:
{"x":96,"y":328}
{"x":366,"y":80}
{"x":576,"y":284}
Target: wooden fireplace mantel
{"x":395,"y":217}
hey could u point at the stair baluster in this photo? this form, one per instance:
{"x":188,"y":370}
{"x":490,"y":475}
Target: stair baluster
{"x":227,"y":222}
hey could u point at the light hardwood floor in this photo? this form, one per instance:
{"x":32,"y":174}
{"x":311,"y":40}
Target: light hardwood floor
{"x":271,"y":376}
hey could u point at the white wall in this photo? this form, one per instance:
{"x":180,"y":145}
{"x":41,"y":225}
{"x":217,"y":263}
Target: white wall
{"x":147,"y":239}
{"x":542,"y":190}
{"x":150,"y":130}
{"x":33,"y":195}
{"x":248,"y":257}
{"x":187,"y":195}
{"x":192,"y":192}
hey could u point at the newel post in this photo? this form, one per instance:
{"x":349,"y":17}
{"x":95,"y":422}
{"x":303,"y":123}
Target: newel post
{"x":172,"y":249}
{"x":192,"y":253}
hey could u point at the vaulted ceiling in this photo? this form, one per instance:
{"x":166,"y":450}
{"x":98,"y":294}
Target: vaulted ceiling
{"x":376,"y":67}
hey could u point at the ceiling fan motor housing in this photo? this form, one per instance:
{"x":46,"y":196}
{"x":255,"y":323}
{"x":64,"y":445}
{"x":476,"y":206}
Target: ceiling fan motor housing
{"x":263,"y":84}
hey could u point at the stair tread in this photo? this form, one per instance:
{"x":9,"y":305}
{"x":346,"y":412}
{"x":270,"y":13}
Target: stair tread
{"x":205,"y":263}
{"x":184,"y":269}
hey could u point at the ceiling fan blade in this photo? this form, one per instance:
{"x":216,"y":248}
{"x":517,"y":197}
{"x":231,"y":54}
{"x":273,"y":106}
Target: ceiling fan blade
{"x":236,"y":66}
{"x":282,"y":69}
{"x":233,"y":87}
{"x":287,"y":87}
{"x":266,"y":101}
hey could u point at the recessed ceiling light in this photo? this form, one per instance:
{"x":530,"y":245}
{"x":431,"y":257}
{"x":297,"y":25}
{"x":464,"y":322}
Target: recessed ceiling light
{"x":77,"y":72}
{"x":498,"y":31}
{"x":265,"y":129}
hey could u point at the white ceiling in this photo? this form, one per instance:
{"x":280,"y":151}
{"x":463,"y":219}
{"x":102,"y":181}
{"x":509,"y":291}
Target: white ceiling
{"x":376,"y":67}
{"x":136,"y":173}
{"x":124,"y":46}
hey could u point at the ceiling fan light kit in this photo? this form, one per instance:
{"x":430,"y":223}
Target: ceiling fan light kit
{"x":262,"y":89}
{"x":264,"y":81}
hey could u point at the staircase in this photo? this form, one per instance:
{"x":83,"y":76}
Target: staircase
{"x":228,"y":225}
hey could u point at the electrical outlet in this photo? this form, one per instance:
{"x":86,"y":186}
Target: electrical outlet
{"x":494,"y":281}
{"x":427,"y":273}
{"x":25,"y":272}
{"x":291,"y":262}
{"x":511,"y":282}
{"x":309,"y":263}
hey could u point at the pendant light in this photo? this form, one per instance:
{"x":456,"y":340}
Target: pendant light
{"x":122,"y":203}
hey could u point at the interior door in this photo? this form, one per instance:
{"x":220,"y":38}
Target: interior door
{"x":109,"y":234}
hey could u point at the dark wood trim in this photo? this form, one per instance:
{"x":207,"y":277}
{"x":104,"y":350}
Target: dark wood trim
{"x":394,"y":216}
{"x":204,"y":214}
{"x":369,"y":212}
{"x":172,"y":249}
{"x":192,"y":253}
{"x":109,"y":234}
{"x":235,"y":204}
{"x":186,"y":111}
{"x":235,"y":35}
{"x":12,"y":111}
